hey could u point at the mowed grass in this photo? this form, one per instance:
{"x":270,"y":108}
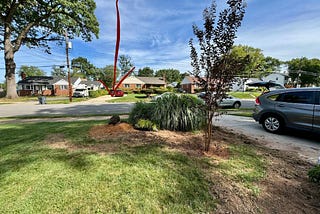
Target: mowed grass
{"x":36,"y":178}
{"x":130,"y":98}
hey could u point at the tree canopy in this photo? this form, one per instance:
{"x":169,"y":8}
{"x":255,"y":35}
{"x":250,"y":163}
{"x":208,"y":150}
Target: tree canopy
{"x":31,"y":71}
{"x":125,"y":64}
{"x":81,"y":67}
{"x":34,"y":23}
{"x":58,"y":71}
{"x":145,"y":72}
{"x":170,"y":75}
{"x":257,"y":65}
{"x":304,"y":71}
{"x":106,"y":75}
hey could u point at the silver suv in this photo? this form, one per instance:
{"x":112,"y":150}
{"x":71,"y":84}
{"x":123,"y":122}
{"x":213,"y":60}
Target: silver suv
{"x":297,"y":108}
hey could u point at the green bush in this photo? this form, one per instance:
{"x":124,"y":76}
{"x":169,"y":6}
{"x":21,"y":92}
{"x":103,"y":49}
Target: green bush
{"x":178,"y":113}
{"x":160,"y":90}
{"x":146,"y":125}
{"x":97,"y":93}
{"x":314,"y":174}
{"x":141,"y":110}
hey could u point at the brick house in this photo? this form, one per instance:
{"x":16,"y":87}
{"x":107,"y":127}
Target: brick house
{"x":190,"y":84}
{"x":133,"y":82}
{"x":46,"y":85}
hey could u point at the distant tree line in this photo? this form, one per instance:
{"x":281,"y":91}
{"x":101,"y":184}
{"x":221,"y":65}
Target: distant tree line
{"x":302,"y":70}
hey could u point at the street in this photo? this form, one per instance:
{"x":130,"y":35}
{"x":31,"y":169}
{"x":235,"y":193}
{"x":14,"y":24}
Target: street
{"x":35,"y":109}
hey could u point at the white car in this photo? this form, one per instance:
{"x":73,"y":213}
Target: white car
{"x":228,"y":101}
{"x":81,"y":92}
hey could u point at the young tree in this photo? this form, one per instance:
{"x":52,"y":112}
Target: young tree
{"x":125,"y":64}
{"x":34,"y":23}
{"x":145,"y":72}
{"x":215,"y":61}
{"x":31,"y":71}
{"x":171,"y":75}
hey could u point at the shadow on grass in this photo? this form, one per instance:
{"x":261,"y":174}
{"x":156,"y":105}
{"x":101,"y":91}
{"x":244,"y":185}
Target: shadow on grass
{"x":149,"y":173}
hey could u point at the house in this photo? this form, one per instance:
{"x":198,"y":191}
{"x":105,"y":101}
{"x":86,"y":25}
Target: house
{"x":46,"y":85}
{"x":133,"y":82}
{"x":190,"y":84}
{"x":279,"y":78}
{"x":152,"y":82}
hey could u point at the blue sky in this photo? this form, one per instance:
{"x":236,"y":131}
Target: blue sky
{"x":155,"y":33}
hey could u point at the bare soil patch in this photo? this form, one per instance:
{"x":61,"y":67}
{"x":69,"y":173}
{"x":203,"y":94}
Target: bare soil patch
{"x":285,"y":189}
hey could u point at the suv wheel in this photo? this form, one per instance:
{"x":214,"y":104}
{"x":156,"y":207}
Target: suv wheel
{"x":272,"y":123}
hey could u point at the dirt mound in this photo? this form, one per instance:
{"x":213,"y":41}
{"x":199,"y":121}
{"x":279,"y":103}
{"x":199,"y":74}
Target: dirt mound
{"x":109,"y":130}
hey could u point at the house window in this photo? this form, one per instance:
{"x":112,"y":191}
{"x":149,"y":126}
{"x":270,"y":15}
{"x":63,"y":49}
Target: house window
{"x":138,"y":85}
{"x":126,"y":85}
{"x":63,"y":87}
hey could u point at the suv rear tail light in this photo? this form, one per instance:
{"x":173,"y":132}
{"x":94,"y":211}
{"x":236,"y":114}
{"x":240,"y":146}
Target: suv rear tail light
{"x":257,"y":101}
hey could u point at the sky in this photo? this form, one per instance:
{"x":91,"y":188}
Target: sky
{"x":155,"y":33}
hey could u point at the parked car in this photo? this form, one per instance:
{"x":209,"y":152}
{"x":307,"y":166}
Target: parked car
{"x":228,"y":101}
{"x":116,"y":93}
{"x":297,"y":108}
{"x":161,"y":95}
{"x":81,"y":92}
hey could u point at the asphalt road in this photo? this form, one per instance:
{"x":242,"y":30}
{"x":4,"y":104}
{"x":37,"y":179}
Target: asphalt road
{"x":306,"y":144}
{"x":35,"y":109}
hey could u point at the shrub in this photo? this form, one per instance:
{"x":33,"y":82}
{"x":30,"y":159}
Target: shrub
{"x":178,"y":113}
{"x":141,"y":110}
{"x":97,"y":93}
{"x":314,"y":174}
{"x":146,"y":125}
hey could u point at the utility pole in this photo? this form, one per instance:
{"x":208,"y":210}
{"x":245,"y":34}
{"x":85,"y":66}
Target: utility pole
{"x":68,"y":66}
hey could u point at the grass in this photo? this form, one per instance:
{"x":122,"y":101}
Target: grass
{"x":130,"y":98}
{"x":49,"y":100}
{"x":36,"y":178}
{"x":245,"y":95}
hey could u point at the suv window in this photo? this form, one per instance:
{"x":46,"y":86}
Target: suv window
{"x":305,"y":97}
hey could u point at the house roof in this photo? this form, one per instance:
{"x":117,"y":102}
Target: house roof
{"x":45,"y":80}
{"x":152,"y":80}
{"x":36,"y":80}
{"x":132,"y":80}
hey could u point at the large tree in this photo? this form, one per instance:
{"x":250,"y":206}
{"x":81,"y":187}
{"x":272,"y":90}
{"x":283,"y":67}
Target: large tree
{"x":304,"y":71}
{"x":125,"y":64}
{"x":81,"y":67}
{"x":31,"y":71}
{"x":106,"y":75}
{"x":170,"y":75}
{"x":214,"y":66}
{"x":145,"y":72}
{"x":58,"y":71}
{"x":257,"y":64}
{"x":34,"y":23}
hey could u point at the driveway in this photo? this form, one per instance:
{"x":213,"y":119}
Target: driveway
{"x":306,"y":144}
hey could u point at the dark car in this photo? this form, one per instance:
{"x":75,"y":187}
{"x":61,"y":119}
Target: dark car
{"x":297,"y":108}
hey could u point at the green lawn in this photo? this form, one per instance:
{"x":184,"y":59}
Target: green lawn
{"x":37,"y":178}
{"x":245,"y":95}
{"x":130,"y":98}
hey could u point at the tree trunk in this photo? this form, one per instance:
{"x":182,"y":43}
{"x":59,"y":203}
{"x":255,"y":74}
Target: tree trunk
{"x":10,"y":68}
{"x":10,"y":77}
